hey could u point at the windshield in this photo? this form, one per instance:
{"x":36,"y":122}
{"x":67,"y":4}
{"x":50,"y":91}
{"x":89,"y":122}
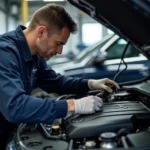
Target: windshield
{"x":93,"y":48}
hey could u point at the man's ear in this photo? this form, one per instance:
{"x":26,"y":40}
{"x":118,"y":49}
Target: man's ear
{"x":41,"y":31}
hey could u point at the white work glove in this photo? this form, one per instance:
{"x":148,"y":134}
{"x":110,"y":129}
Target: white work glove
{"x":102,"y":84}
{"x":88,"y":105}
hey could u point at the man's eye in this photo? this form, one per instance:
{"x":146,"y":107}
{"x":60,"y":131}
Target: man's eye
{"x":58,"y":44}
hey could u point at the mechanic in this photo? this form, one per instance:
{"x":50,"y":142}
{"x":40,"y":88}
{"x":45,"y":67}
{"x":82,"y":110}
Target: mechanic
{"x":23,"y":55}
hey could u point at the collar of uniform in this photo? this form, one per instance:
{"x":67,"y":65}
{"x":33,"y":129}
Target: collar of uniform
{"x":23,"y":43}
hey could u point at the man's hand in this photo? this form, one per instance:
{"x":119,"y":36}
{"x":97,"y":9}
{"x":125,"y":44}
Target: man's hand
{"x":88,"y":105}
{"x":102,"y":84}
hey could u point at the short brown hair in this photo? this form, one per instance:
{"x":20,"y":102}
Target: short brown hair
{"x":54,"y":17}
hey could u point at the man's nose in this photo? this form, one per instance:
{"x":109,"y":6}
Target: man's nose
{"x":59,"y":50}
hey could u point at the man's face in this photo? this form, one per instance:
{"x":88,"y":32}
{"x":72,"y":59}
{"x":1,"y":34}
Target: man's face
{"x":53,"y":45}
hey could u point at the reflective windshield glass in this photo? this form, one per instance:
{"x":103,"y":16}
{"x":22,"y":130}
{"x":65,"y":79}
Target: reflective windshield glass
{"x":90,"y":50}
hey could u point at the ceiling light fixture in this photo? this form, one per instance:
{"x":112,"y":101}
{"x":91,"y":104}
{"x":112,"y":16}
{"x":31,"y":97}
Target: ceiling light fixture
{"x":48,"y":0}
{"x":54,"y":0}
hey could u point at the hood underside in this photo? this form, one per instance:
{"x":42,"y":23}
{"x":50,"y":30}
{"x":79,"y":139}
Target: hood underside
{"x":128,"y":18}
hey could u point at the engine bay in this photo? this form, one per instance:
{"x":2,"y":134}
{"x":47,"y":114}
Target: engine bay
{"x":123,"y":123}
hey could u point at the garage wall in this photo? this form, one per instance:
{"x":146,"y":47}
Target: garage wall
{"x":7,"y":26}
{"x":3,"y":22}
{"x":2,"y":17}
{"x":8,"y":20}
{"x":12,"y":23}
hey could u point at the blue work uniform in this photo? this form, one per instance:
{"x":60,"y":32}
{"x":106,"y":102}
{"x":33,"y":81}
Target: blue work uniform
{"x":19,"y":72}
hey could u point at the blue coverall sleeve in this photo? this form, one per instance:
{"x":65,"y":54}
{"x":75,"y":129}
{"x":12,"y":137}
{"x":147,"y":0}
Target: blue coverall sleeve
{"x":18,"y":107}
{"x":50,"y":81}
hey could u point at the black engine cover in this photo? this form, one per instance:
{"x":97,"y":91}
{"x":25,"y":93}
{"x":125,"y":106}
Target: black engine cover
{"x":114,"y":116}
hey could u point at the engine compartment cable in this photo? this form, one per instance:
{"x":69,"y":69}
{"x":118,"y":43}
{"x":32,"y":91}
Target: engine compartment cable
{"x":122,"y":60}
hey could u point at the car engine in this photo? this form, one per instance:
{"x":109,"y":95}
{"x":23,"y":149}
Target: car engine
{"x":123,"y":123}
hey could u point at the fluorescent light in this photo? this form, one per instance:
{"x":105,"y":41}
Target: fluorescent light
{"x":33,"y":0}
{"x":54,"y":0}
{"x":48,"y":0}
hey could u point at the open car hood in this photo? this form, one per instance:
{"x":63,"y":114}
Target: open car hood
{"x":128,"y":18}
